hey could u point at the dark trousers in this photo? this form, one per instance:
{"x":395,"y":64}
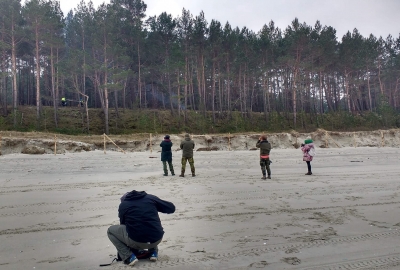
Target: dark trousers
{"x":309,"y":165}
{"x":264,"y":163}
{"x":171,"y":167}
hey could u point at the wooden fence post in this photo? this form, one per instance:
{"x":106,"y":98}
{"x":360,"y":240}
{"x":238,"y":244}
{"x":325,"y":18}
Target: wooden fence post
{"x":229,"y":141}
{"x":104,"y":136}
{"x":122,"y":150}
{"x":355,"y":142}
{"x":151,"y":148}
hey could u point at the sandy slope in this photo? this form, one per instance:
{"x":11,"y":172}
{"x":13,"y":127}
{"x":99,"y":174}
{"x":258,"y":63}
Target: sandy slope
{"x":55,"y":210}
{"x":42,"y":143}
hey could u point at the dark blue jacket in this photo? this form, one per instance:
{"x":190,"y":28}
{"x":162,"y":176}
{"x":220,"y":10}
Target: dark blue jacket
{"x":166,"y":152}
{"x":138,"y":211}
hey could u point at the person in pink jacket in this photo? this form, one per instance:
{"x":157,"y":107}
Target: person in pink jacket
{"x":308,"y":152}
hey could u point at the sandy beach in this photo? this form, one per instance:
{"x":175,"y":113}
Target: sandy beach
{"x":55,"y":210}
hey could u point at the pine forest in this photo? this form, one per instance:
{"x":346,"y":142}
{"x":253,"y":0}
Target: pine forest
{"x":115,"y":57}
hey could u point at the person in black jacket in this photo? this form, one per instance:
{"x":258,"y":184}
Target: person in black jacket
{"x":140,"y":226}
{"x":166,"y":155}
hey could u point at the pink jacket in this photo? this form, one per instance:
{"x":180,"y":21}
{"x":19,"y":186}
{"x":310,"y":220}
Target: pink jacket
{"x":306,"y":148}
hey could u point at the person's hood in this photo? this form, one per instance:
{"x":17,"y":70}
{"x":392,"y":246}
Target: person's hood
{"x":263,"y":141}
{"x":133,"y":195}
{"x":310,"y":144}
{"x":187,"y":138}
{"x":167,"y":140}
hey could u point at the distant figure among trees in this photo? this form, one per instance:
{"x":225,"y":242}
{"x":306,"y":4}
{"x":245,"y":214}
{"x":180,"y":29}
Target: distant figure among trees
{"x":63,"y":102}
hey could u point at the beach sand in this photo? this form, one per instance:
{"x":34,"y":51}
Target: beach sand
{"x":55,"y":209}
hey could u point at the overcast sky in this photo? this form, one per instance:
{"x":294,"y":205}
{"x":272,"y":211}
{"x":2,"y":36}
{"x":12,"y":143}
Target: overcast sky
{"x":377,"y":17}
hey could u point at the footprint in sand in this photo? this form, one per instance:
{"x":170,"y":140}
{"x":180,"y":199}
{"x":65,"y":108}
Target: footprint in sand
{"x":292,"y":260}
{"x":261,"y":264}
{"x":76,"y":242}
{"x":292,"y":250}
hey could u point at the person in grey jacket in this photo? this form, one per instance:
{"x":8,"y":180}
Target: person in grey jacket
{"x":265,"y":148}
{"x":187,"y":146}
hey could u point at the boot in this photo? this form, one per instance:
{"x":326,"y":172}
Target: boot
{"x":165,"y":174}
{"x":263,"y":178}
{"x":193,"y":174}
{"x":269,"y":176}
{"x":172,"y":173}
{"x":309,"y":173}
{"x":182,"y":173}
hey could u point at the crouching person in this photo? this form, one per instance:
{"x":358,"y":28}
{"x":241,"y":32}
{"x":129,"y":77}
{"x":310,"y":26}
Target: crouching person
{"x":140,"y":226}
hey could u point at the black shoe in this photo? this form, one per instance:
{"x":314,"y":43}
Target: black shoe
{"x":263,"y":178}
{"x":269,"y":177}
{"x":172,"y":174}
{"x":165,"y":174}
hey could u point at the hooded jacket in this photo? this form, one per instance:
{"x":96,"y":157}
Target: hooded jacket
{"x":138,"y":211}
{"x":187,"y":147}
{"x":166,"y":153}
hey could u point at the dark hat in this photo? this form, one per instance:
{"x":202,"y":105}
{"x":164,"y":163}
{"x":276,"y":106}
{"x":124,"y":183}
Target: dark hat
{"x":166,"y":137}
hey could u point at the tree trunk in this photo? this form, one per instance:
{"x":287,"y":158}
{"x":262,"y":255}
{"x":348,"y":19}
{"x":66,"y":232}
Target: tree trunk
{"x":213,"y":92}
{"x":139,"y":78}
{"x":14,"y":75}
{"x":294,"y":97}
{"x":346,"y":86}
{"x":37,"y":77}
{"x":53,"y":91}
{"x":228,"y":90}
{"x":171,"y":105}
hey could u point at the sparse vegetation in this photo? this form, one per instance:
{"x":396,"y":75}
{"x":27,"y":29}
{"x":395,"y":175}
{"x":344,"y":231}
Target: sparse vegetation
{"x":71,"y":122}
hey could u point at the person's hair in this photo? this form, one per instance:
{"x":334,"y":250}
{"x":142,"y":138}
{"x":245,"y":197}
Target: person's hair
{"x":263,"y":137}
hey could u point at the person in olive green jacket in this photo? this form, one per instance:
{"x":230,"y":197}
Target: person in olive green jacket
{"x":265,"y":148}
{"x":187,"y":146}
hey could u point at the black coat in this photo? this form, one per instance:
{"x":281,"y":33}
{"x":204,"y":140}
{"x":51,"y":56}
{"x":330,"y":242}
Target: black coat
{"x":166,"y":152}
{"x":138,"y":211}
